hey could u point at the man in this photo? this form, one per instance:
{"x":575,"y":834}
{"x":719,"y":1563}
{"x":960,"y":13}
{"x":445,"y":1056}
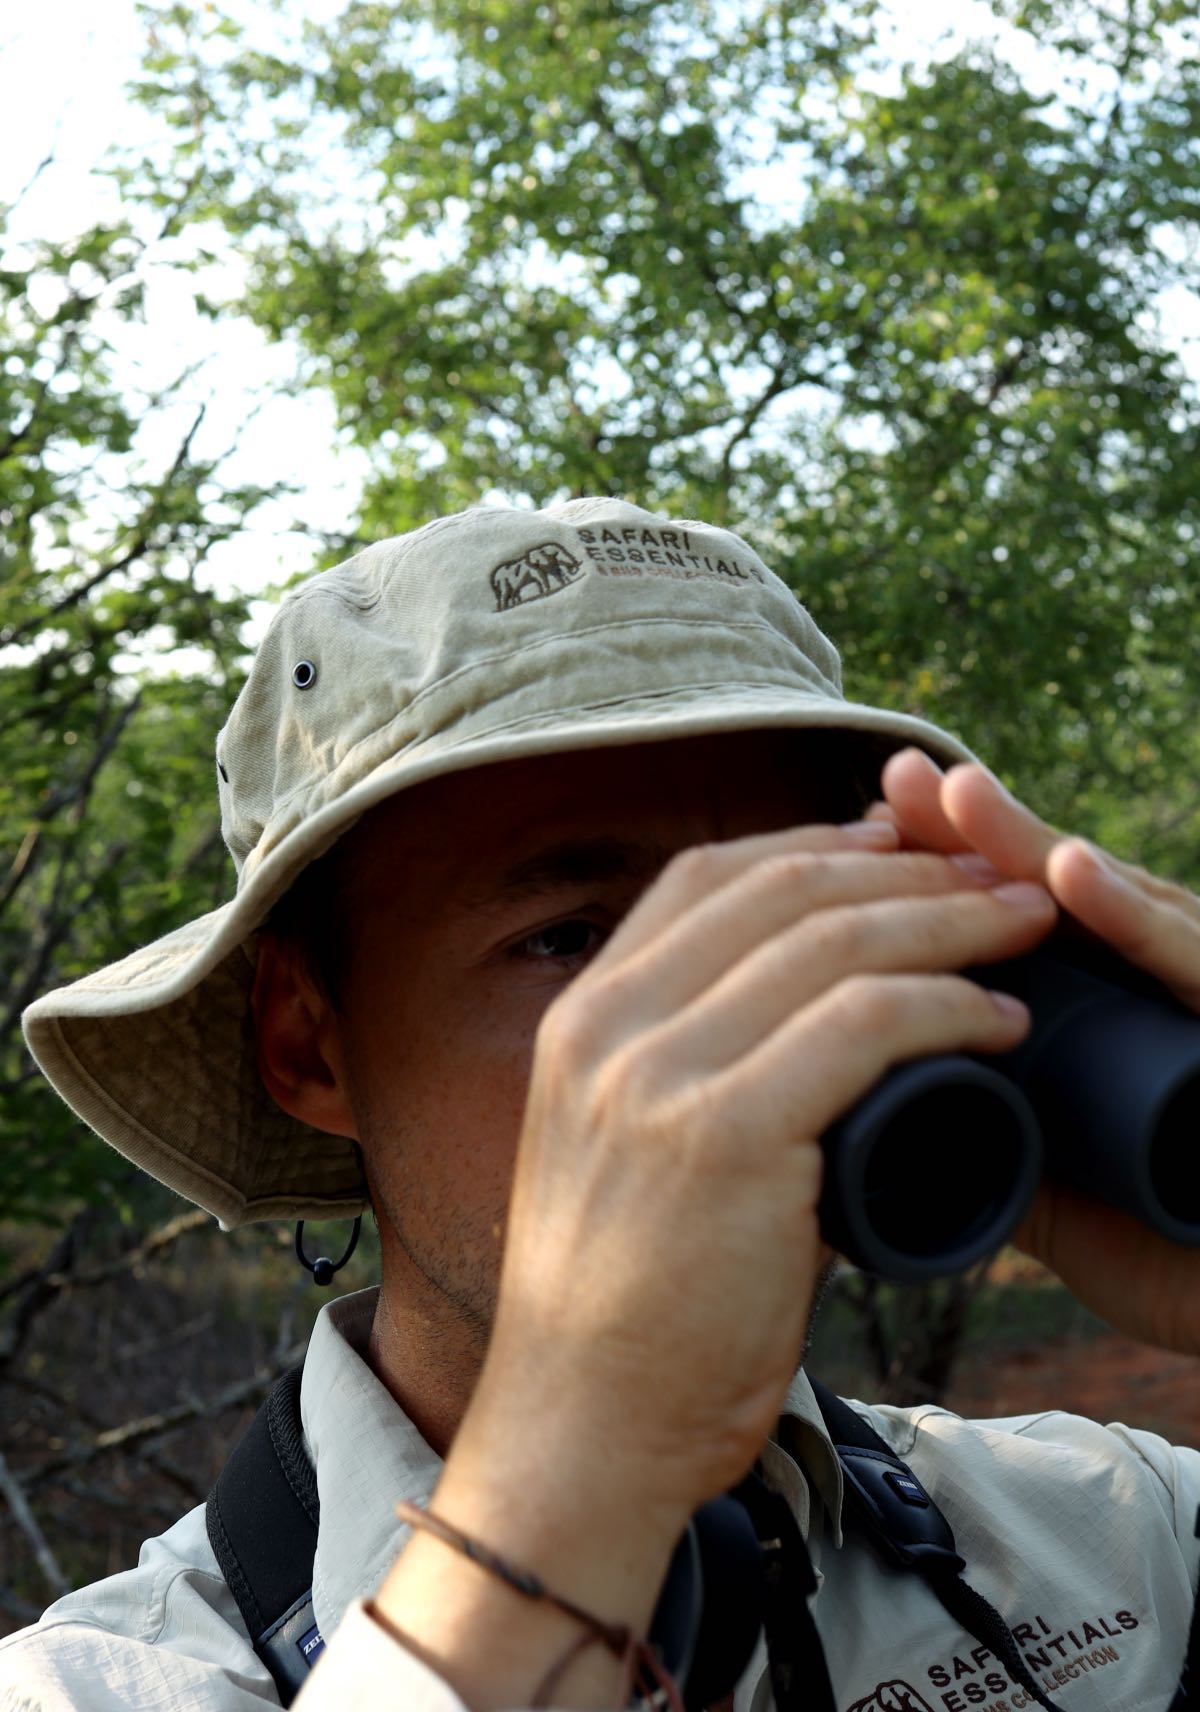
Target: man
{"x":574,"y":938}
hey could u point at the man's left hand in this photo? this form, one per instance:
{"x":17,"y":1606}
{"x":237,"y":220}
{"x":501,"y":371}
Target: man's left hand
{"x":1142,"y":1284}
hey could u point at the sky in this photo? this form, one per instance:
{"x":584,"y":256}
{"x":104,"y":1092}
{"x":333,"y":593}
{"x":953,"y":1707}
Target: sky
{"x":64,"y":65}
{"x":63,"y":69}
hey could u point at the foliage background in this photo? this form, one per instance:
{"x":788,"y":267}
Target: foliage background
{"x":913,"y":328}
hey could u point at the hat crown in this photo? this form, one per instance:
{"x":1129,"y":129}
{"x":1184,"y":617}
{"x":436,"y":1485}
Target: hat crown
{"x":489,"y":619}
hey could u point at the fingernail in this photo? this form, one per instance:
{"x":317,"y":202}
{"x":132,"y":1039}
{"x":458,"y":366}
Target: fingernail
{"x":1010,"y":1007}
{"x":977,"y":867}
{"x":1023,"y":895}
{"x":880,"y":832}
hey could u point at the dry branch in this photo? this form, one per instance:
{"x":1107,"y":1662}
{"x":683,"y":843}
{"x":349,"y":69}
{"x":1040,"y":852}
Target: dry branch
{"x":134,"y":1433}
{"x":154,"y":1244}
{"x":25,"y":1519}
{"x":33,"y":1290}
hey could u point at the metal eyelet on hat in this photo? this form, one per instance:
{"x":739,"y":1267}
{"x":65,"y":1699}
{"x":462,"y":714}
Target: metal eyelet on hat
{"x":304,"y":675}
{"x":221,"y":770}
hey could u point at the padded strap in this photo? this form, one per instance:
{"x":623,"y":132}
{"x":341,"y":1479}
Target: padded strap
{"x":796,"y":1659}
{"x":262,"y":1518}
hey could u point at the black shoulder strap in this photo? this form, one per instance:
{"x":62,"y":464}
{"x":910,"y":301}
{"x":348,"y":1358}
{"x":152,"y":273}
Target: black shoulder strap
{"x":262,"y":1523}
{"x":884,"y":1498}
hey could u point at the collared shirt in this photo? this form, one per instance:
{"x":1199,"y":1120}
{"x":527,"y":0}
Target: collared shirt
{"x":1083,"y":1536}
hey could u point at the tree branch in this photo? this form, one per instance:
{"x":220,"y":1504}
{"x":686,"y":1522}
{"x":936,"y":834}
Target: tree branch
{"x":34,"y":1291}
{"x":53,"y":935}
{"x":147,"y":1427}
{"x":135,"y":551}
{"x":25,"y":1519}
{"x":781,"y":382}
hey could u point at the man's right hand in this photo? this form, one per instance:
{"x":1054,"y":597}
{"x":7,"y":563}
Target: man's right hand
{"x":662,"y":1242}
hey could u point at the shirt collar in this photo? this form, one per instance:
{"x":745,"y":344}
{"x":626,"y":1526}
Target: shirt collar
{"x":804,"y":1435}
{"x":368,"y":1456}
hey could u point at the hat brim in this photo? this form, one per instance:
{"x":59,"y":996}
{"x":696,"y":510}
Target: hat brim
{"x":156,"y":1052}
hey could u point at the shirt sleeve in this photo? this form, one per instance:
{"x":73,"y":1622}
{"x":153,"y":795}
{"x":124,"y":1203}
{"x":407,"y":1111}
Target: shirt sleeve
{"x":75,"y":1667}
{"x":363,"y":1669}
{"x":163,"y":1637}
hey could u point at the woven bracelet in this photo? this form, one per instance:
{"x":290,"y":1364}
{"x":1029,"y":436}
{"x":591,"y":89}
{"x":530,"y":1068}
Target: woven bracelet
{"x":643,"y":1671}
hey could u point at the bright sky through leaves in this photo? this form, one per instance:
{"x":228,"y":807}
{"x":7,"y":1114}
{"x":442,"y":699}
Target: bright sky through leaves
{"x":63,"y":67}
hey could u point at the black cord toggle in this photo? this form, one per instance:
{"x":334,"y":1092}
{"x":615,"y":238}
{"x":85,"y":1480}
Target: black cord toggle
{"x":323,"y":1269}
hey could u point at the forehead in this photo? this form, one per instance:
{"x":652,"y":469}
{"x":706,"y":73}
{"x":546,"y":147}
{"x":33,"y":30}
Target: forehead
{"x":591,"y":814}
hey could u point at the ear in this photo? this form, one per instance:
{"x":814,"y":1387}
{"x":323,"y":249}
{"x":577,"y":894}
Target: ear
{"x":298,"y":1041}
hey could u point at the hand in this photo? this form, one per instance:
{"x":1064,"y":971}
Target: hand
{"x":662,"y":1237}
{"x":1135,"y":1279}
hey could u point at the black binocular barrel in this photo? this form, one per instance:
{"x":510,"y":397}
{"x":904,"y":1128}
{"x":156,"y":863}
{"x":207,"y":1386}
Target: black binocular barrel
{"x":934,"y":1168}
{"x":931,"y":1170}
{"x":1111,"y":1066}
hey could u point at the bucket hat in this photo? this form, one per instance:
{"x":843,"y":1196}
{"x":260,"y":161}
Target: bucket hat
{"x":491,"y":635}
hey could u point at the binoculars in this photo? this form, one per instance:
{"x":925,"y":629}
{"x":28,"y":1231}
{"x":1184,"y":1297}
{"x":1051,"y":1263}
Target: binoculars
{"x":934,"y":1168}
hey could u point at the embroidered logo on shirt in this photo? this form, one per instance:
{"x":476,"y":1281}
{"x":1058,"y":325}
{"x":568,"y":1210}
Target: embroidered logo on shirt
{"x":976,"y":1681}
{"x":893,"y":1696}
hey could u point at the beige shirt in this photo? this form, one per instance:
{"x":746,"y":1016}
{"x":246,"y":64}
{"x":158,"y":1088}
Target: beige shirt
{"x":1083,"y":1536}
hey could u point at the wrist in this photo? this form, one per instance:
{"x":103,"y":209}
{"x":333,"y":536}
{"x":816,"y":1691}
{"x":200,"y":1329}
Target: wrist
{"x":464,"y":1595}
{"x":586,"y":1441}
{"x":569,"y":1504}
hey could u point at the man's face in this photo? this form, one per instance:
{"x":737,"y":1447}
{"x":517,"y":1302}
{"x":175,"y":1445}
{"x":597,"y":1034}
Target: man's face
{"x":473,"y":901}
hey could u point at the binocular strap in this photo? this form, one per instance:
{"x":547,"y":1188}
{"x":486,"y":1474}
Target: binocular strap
{"x":914,"y":1536}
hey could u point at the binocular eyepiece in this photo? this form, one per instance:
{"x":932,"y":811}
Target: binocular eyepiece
{"x":937,"y":1164}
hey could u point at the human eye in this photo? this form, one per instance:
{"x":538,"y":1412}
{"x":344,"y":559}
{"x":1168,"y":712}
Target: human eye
{"x":569,"y":941}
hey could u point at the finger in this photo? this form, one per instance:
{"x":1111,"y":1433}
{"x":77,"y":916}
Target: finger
{"x":854,"y":1033}
{"x":1020,"y":843}
{"x":705,"y":868}
{"x":884,"y":812}
{"x":752,"y":911}
{"x":965,"y":809}
{"x":1149,"y":885}
{"x":796,"y":967}
{"x":1152,"y":924}
{"x":912,"y":785}
{"x":984,"y":870}
{"x":989,"y":819}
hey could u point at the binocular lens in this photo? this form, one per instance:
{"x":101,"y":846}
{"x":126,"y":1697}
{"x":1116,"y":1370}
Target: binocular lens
{"x":947,"y":1162}
{"x":931,"y":1170}
{"x":1173,"y":1163}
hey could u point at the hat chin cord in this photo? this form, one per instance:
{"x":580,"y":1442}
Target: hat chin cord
{"x":323,"y":1269}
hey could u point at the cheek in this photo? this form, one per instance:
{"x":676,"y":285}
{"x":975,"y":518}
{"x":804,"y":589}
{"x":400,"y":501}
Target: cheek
{"x":439,"y":1084}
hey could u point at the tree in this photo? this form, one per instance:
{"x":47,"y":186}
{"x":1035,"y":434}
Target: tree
{"x":901,"y":325}
{"x":117,"y":664}
{"x":903,"y":329}
{"x":106,"y":792}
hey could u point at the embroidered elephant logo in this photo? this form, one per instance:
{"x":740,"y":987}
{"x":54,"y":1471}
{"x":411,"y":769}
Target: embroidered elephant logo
{"x":542,"y":570}
{"x":892,"y":1697}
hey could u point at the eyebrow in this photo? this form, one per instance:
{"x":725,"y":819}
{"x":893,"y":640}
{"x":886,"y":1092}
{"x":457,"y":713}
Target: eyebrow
{"x":573,"y":862}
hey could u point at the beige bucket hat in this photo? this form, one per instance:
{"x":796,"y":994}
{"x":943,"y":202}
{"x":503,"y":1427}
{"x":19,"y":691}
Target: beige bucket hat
{"x":486,"y":636}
